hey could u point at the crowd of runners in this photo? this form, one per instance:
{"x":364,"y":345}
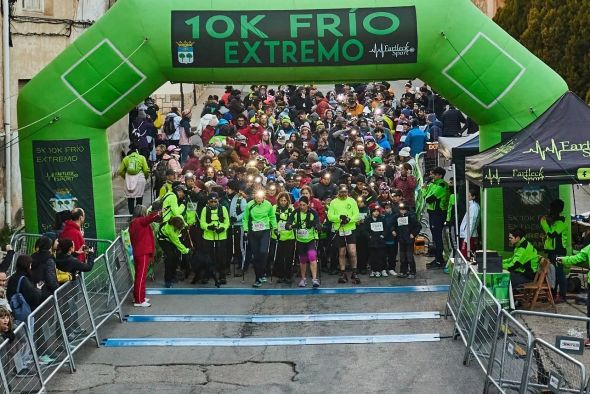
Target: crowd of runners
{"x":278,"y":178}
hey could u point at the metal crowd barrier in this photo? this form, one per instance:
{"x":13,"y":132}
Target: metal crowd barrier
{"x":67,"y":320}
{"x":512,"y":359}
{"x":122,"y":222}
{"x":19,"y":370}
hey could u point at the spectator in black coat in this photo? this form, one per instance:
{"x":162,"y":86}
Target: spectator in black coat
{"x":66,"y":262}
{"x":30,"y":291}
{"x":405,"y":229}
{"x":43,"y":267}
{"x":452,"y":121}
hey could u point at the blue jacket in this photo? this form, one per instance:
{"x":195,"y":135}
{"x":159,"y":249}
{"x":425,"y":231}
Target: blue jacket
{"x":416,"y":140}
{"x":388,"y":223}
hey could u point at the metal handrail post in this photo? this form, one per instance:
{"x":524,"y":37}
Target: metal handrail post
{"x":65,"y":336}
{"x":89,"y":307}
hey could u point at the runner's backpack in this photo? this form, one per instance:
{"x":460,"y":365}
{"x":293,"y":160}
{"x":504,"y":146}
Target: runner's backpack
{"x":159,"y":173}
{"x":20,"y":307}
{"x":169,"y":128}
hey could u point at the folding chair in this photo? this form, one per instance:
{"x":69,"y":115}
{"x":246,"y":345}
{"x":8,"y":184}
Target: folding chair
{"x":538,"y":288}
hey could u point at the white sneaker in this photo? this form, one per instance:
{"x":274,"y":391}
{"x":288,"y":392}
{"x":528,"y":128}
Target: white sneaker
{"x":377,"y":274}
{"x":392,"y":273}
{"x":384,"y":273}
{"x":372,"y":275}
{"x":302,"y":283}
{"x":144,"y":304}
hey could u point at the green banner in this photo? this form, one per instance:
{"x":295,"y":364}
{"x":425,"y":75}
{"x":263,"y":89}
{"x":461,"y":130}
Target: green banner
{"x":300,"y":37}
{"x":64,"y":181}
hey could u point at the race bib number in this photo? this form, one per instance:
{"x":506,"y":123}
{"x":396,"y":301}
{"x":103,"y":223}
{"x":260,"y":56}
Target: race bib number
{"x":403,"y":221}
{"x":282,"y":226}
{"x":362,"y":216}
{"x":303,"y":233}
{"x":191,"y":206}
{"x":258,"y":226}
{"x":344,"y":233}
{"x":377,"y":227}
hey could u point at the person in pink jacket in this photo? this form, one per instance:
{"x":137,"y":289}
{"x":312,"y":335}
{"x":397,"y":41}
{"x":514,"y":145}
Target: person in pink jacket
{"x":266,"y":150}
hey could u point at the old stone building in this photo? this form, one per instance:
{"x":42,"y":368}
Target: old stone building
{"x":489,"y":7}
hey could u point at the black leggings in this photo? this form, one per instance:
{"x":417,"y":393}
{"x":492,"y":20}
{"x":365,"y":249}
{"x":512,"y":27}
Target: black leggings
{"x":171,"y":260}
{"x":285,"y":259}
{"x":259,"y":242}
{"x":133,"y":202}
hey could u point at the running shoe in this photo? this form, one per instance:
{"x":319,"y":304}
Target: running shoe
{"x":144,"y":304}
{"x":343,"y":278}
{"x":316,"y":283}
{"x":355,"y":278}
{"x":45,"y":359}
{"x":263,"y":279}
{"x":302,"y":283}
{"x":377,"y":274}
{"x":372,"y":275}
{"x":258,"y":283}
{"x":435,"y":266}
{"x":392,"y":273}
{"x":402,"y":275}
{"x":411,"y":276}
{"x":384,"y":273}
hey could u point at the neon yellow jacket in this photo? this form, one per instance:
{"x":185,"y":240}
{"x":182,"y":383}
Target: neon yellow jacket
{"x":347,"y":207}
{"x":133,"y":164}
{"x":555,"y":235}
{"x":210,"y":217}
{"x":525,"y":257}
{"x":582,"y":257}
{"x":437,"y":196}
{"x":170,"y":234}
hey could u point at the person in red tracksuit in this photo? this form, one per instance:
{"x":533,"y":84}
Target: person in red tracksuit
{"x":144,"y":246}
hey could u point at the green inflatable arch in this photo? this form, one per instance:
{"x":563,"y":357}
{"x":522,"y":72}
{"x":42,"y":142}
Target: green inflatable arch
{"x":140,"y":44}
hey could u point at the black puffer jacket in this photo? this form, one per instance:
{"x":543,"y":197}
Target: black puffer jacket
{"x":43,"y":270}
{"x":29,"y":291}
{"x":68,"y":263}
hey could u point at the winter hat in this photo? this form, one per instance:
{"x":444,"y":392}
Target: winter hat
{"x":222,"y":122}
{"x":212,"y":196}
{"x":369,"y":138}
{"x":431,"y":118}
{"x":305,"y":126}
{"x":286,"y":120}
{"x":172,"y":149}
{"x":330,"y":160}
{"x":317,"y":166}
{"x":227,"y":116}
{"x":314,"y":117}
{"x":404,"y":152}
{"x":340,"y":119}
{"x":375,"y":207}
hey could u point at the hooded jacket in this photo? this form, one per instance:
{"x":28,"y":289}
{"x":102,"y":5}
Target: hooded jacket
{"x":72,"y":231}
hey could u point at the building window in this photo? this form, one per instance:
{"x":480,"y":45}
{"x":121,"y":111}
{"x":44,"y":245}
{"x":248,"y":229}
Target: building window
{"x":33,"y":5}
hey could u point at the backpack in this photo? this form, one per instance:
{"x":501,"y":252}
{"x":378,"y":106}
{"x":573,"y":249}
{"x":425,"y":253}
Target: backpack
{"x":169,"y":128}
{"x":140,"y":138}
{"x":160,"y":174}
{"x":20,"y":308}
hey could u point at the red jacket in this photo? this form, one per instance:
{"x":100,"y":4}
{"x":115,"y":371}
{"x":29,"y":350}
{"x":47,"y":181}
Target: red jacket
{"x":72,"y":231}
{"x":407,"y":186}
{"x":142,"y":236}
{"x":322,"y":107}
{"x":253,"y":135}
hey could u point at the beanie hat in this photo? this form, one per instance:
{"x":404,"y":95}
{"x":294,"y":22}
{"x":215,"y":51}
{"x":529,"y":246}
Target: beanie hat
{"x":404,"y":152}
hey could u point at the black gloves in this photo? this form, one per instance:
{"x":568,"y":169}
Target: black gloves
{"x":219,"y":230}
{"x":344,"y":219}
{"x":233,"y":220}
{"x":212,"y":228}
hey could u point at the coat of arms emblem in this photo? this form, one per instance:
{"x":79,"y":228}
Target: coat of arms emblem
{"x":186,"y":52}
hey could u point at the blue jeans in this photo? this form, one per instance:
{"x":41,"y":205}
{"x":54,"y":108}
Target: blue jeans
{"x":184,"y":151}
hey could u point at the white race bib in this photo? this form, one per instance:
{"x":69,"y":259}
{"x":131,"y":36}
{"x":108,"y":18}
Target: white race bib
{"x":303,"y":233}
{"x":282,"y":226}
{"x":344,"y":233}
{"x":377,"y":227}
{"x":362,"y":216}
{"x":258,"y":226}
{"x":402,"y":221}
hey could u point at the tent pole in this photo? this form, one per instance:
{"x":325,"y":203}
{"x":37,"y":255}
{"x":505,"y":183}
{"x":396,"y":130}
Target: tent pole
{"x":468,"y":219}
{"x":456,"y":207}
{"x":485,"y":234}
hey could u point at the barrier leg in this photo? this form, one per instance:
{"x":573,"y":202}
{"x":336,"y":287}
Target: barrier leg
{"x":66,"y":340}
{"x":115,"y":293}
{"x":87,"y":302}
{"x":467,"y":356}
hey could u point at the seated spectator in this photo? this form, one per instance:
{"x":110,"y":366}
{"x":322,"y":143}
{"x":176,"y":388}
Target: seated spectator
{"x":31,"y":292}
{"x":524,"y":262}
{"x":6,"y":324}
{"x":43,"y":267}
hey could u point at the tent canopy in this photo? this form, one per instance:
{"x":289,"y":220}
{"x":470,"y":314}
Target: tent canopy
{"x":555,"y":148}
{"x":448,"y":145}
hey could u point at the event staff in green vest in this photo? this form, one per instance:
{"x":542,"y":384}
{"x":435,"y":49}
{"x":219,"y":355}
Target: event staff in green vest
{"x":258,"y":222}
{"x":305,"y":223}
{"x":172,"y":202}
{"x":134,"y":169}
{"x":437,"y":200}
{"x":215,"y":223}
{"x":285,"y":250}
{"x":167,"y":186}
{"x":524,"y":261}
{"x":554,"y":227}
{"x":581,"y":258}
{"x":343,"y":213}
{"x":169,"y":240}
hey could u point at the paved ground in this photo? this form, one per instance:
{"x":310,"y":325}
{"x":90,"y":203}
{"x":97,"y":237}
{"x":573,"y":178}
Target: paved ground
{"x":433,"y":367}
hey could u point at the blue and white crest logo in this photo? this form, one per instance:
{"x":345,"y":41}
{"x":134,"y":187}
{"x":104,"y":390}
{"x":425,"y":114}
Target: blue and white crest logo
{"x":186,"y":52}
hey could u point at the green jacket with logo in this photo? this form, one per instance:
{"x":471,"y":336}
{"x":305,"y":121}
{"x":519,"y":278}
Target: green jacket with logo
{"x":305,"y":225}
{"x":170,"y":234}
{"x":259,"y":213}
{"x":555,"y":235}
{"x":133,"y":164}
{"x":211,"y":217}
{"x":582,"y":257}
{"x":347,"y":207}
{"x":437,"y":196}
{"x":524,"y":259}
{"x":282,"y":217}
{"x":451,"y":208}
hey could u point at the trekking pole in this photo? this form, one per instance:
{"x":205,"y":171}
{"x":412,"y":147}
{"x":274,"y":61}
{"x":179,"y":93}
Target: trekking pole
{"x":245,"y":241}
{"x":275,"y":257}
{"x":267,"y":253}
{"x":233,"y":248}
{"x":319,"y":260}
{"x":213,"y":268}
